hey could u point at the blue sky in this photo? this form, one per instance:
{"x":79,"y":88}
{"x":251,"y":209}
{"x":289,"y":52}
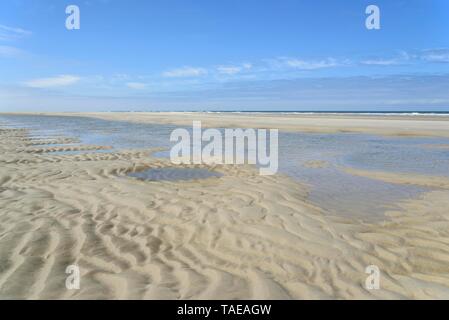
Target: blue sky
{"x":224,"y":55}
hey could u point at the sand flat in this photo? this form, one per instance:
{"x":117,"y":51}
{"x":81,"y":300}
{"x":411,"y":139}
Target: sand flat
{"x":239,"y":236}
{"x":397,"y":125}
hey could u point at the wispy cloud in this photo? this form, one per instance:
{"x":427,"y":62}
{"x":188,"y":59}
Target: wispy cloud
{"x":9,"y":52}
{"x":11,"y":33}
{"x":184,"y":72}
{"x":136,"y":85}
{"x":436,"y":55}
{"x":402,"y":58}
{"x":58,"y":81}
{"x":302,"y":64}
{"x":380,"y":62}
{"x":430,"y":55}
{"x":230,"y":70}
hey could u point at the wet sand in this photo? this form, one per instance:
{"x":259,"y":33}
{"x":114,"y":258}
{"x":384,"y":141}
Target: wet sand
{"x":238,"y":236}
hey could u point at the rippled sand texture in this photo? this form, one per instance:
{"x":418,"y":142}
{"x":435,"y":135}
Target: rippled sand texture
{"x":238,"y":236}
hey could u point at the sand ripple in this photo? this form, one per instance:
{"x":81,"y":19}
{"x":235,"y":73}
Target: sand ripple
{"x":240,"y":236}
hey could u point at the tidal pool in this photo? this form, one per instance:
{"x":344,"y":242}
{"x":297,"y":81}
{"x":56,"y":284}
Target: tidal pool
{"x":331,"y":188}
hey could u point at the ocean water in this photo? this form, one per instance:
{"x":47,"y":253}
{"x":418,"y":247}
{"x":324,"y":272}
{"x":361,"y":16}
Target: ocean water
{"x":339,"y":193}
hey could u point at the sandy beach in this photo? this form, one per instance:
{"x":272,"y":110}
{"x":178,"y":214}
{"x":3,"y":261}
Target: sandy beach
{"x":395,"y":125}
{"x":237,"y":236}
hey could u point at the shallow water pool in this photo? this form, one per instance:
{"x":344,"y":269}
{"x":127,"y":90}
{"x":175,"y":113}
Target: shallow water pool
{"x":330,"y":187}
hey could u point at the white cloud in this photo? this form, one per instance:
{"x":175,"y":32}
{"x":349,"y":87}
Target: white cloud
{"x":381,"y":62}
{"x":58,"y":81}
{"x":230,"y":70}
{"x":10,"y":33}
{"x":436,"y":55}
{"x":136,"y":85}
{"x":307,"y":64}
{"x":184,"y":72}
{"x":120,"y":77}
{"x":402,"y":58}
{"x":311,"y":65}
{"x":8,"y":52}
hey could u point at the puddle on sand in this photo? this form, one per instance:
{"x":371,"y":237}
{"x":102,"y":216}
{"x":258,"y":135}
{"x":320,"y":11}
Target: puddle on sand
{"x":174,"y":174}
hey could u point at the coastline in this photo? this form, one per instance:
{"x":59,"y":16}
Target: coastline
{"x":397,"y":125}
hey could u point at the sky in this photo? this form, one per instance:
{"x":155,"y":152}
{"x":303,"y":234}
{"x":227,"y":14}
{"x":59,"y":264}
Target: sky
{"x":171,"y":55}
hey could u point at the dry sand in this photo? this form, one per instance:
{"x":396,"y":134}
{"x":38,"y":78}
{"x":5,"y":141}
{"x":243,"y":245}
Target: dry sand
{"x":240,"y":236}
